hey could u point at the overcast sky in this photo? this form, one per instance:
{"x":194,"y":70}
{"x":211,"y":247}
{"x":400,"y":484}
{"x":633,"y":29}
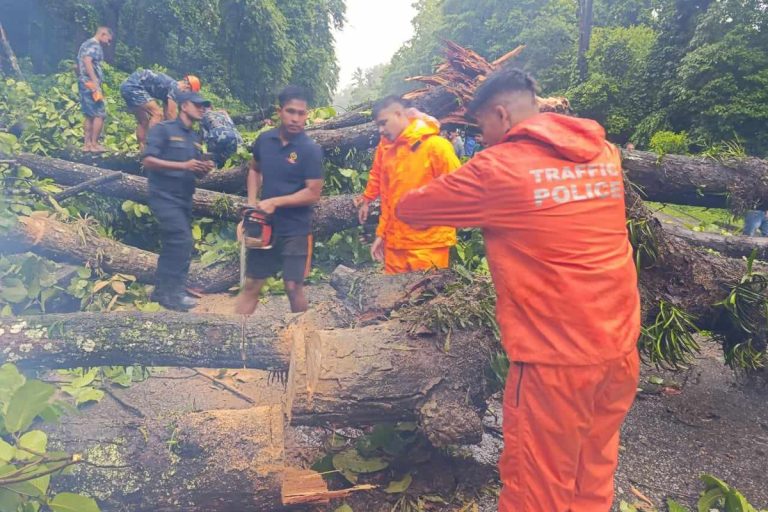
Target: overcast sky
{"x":373,"y":32}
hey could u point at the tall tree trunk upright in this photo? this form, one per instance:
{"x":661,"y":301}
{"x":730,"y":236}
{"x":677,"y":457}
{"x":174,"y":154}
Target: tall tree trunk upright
{"x":9,"y":53}
{"x":585,"y":34}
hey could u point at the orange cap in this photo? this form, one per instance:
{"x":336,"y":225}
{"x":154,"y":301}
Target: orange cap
{"x":194,"y":82}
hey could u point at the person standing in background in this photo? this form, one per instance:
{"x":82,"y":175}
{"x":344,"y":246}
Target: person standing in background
{"x":89,"y":79}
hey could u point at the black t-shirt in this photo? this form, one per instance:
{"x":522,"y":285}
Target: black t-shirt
{"x":171,"y":140}
{"x":284,"y":170}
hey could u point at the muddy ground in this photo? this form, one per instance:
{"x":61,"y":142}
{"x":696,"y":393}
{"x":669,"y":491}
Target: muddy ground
{"x":702,"y":420}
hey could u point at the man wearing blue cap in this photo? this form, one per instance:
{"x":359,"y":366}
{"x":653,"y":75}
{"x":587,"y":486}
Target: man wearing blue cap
{"x":174,"y":159}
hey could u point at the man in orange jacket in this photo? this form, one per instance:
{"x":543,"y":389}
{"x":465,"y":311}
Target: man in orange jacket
{"x":549,"y":196}
{"x":411,"y":154}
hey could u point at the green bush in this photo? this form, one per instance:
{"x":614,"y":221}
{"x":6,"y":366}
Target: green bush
{"x":666,"y":142}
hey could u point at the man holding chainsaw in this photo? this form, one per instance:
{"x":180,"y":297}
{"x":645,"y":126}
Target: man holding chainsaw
{"x":287,"y":169}
{"x":89,"y":79}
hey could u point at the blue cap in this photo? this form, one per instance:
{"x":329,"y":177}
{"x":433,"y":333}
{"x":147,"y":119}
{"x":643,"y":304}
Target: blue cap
{"x":185,"y":96}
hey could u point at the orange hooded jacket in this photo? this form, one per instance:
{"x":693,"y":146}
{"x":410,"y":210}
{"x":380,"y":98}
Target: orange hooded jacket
{"x":550,"y":200}
{"x":415,"y":158}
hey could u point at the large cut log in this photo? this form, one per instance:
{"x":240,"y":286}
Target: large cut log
{"x":332,"y":214}
{"x":79,"y":244}
{"x":338,"y":373}
{"x":151,"y":339}
{"x":381,"y":373}
{"x":209,"y":461}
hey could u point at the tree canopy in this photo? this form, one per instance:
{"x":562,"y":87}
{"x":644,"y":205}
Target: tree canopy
{"x":698,"y":66}
{"x":247,"y":48}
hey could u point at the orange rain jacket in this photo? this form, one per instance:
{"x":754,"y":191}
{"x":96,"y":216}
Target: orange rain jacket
{"x":415,"y":158}
{"x":550,"y":200}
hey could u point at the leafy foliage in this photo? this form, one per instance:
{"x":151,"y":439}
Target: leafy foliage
{"x":245,"y":48}
{"x":669,"y":341}
{"x":653,"y":65}
{"x":717,"y":496}
{"x":27,"y":465}
{"x":745,"y":310}
{"x":666,"y":142}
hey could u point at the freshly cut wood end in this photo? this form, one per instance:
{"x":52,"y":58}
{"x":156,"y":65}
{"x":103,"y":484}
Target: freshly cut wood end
{"x":307,"y":486}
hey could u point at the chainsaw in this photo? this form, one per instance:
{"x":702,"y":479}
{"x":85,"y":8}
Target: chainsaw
{"x":257,"y":234}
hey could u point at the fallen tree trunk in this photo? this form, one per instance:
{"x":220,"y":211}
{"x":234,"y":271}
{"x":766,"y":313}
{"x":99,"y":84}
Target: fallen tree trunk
{"x":150,"y":339}
{"x":332,"y":213}
{"x":739,"y":184}
{"x":734,"y":246}
{"x":70,"y":243}
{"x":336,"y":373}
{"x":230,"y":180}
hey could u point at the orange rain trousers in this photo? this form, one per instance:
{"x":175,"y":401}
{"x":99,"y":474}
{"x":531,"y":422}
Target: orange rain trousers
{"x":561,"y":434}
{"x":398,"y":261}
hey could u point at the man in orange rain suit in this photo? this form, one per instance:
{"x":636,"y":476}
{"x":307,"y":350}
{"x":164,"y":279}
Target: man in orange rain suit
{"x":411,"y":154}
{"x":548,"y":194}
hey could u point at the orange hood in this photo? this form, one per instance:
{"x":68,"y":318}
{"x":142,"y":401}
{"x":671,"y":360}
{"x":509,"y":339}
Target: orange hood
{"x":574,"y":139}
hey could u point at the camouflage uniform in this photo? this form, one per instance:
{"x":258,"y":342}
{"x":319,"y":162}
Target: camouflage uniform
{"x":144,"y":85}
{"x":90,"y":48}
{"x":220,"y":135}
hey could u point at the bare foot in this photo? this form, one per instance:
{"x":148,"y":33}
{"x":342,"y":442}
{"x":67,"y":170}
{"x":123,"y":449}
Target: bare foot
{"x":98,"y":149}
{"x":86,"y":148}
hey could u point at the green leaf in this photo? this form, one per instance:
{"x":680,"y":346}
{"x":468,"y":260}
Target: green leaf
{"x":83,"y":272}
{"x":10,"y":381}
{"x":26,"y":403}
{"x":709,"y":500}
{"x":9,"y":500}
{"x":398,"y":486}
{"x":351,"y":460}
{"x":89,"y":395}
{"x":24,"y":172}
{"x":13,"y":290}
{"x":41,"y":483}
{"x":736,"y":502}
{"x":627,"y":507}
{"x":197,"y":232}
{"x":7,"y":452}
{"x":24,"y":488}
{"x":711,"y":482}
{"x":344,"y":508}
{"x":85,"y":379}
{"x":34,"y":440}
{"x":675,"y":506}
{"x":656,"y":380}
{"x":69,"y":502}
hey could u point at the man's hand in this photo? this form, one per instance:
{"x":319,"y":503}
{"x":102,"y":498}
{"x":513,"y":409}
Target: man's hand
{"x":377,"y":249}
{"x":268,"y":205}
{"x":362,"y":208}
{"x":239,"y":231}
{"x":199,"y":167}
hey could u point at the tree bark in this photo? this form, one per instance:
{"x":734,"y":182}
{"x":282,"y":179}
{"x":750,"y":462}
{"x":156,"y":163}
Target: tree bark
{"x":150,"y":339}
{"x":10,"y":54}
{"x":209,"y":461}
{"x":332,"y":214}
{"x":336,"y":372}
{"x":733,"y":246}
{"x":585,"y":35}
{"x":69,"y":244}
{"x":740,"y":184}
